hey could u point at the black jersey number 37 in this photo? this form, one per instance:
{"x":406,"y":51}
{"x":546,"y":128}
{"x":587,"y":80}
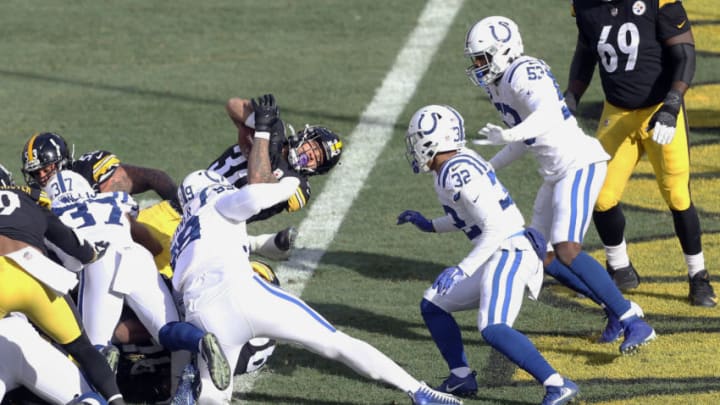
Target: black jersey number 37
{"x":628,"y":41}
{"x":8,"y":202}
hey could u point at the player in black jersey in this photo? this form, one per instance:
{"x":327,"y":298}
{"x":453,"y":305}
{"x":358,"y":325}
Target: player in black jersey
{"x":33,"y":284}
{"x":646,"y":56}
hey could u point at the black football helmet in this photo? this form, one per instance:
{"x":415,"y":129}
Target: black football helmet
{"x":41,"y":150}
{"x":5,"y":177}
{"x":326,"y":142}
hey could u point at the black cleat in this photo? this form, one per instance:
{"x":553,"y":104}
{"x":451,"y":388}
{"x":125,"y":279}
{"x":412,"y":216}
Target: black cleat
{"x":285,"y":239}
{"x":701,"y":292}
{"x":625,"y":278}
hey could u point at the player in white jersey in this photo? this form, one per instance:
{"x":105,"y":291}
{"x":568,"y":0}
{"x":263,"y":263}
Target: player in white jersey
{"x":31,"y":361}
{"x":572,"y":164}
{"x":222,"y":294}
{"x":504,"y":259}
{"x":126,"y":274}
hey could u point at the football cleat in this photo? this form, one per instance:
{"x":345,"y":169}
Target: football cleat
{"x":563,"y":394}
{"x":274,"y":246}
{"x":218,"y":365}
{"x":625,"y":278}
{"x":428,"y":396}
{"x":112,"y":355}
{"x":461,"y":386}
{"x":701,"y":292}
{"x":285,"y":239}
{"x":614,"y":329}
{"x":637,"y":333}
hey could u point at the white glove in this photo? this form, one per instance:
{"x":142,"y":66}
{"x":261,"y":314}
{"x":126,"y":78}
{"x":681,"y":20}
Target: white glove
{"x":663,"y":134}
{"x":496,"y":135}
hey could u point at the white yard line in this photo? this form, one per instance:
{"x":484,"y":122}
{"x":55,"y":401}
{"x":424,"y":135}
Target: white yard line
{"x":367,"y":141}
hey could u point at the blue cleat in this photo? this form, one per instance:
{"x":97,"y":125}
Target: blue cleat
{"x":428,"y":396}
{"x":637,"y":333}
{"x":460,"y":386}
{"x":614,"y":329}
{"x":563,"y":394}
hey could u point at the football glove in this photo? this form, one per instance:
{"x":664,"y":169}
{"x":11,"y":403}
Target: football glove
{"x":664,"y":120}
{"x":497,"y":135}
{"x":416,"y":219}
{"x":447,"y":279}
{"x":266,"y":112}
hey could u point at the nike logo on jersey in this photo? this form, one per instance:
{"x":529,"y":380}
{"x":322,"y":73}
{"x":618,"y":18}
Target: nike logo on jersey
{"x":456,"y":196}
{"x":682,"y":24}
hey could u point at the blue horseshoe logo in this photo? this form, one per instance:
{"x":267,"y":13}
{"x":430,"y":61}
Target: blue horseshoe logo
{"x":434,"y":117}
{"x":495,"y":35}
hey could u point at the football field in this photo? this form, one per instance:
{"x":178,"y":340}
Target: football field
{"x":148,"y":80}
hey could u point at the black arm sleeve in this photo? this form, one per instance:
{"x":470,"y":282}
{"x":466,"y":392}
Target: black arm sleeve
{"x":64,"y":238}
{"x":683,"y":59}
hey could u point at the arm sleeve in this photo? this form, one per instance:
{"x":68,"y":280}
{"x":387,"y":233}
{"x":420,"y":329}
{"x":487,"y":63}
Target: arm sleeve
{"x":244,"y":203}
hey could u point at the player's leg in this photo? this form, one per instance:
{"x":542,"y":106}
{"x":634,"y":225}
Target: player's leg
{"x":154,"y":305}
{"x":288,"y":318}
{"x":542,"y":221}
{"x":58,"y":318}
{"x":274,"y":246}
{"x":99,"y":306}
{"x":41,"y":367}
{"x":671,"y":164}
{"x":573,"y":198}
{"x":503,"y":281}
{"x":436,"y":311}
{"x":619,"y":135}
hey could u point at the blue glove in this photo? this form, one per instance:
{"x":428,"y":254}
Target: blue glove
{"x":447,"y":279}
{"x":416,"y":219}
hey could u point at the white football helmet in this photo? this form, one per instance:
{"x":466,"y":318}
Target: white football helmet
{"x":492,"y":44}
{"x":194,"y":183}
{"x":67,"y":187}
{"x":433,"y":129}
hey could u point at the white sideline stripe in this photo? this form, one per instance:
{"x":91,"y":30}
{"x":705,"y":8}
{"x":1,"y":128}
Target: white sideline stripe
{"x":367,"y":141}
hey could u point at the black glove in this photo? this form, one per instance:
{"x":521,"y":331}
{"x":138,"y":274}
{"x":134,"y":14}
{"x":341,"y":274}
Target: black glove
{"x":277,"y":142}
{"x":266,"y":112}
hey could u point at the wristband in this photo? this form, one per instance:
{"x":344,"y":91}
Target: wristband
{"x":262,"y":135}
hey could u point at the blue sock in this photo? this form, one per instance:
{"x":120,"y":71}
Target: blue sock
{"x":598,"y":280}
{"x":175,"y":336}
{"x":565,"y":275}
{"x":518,"y":348}
{"x":446,"y":334}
